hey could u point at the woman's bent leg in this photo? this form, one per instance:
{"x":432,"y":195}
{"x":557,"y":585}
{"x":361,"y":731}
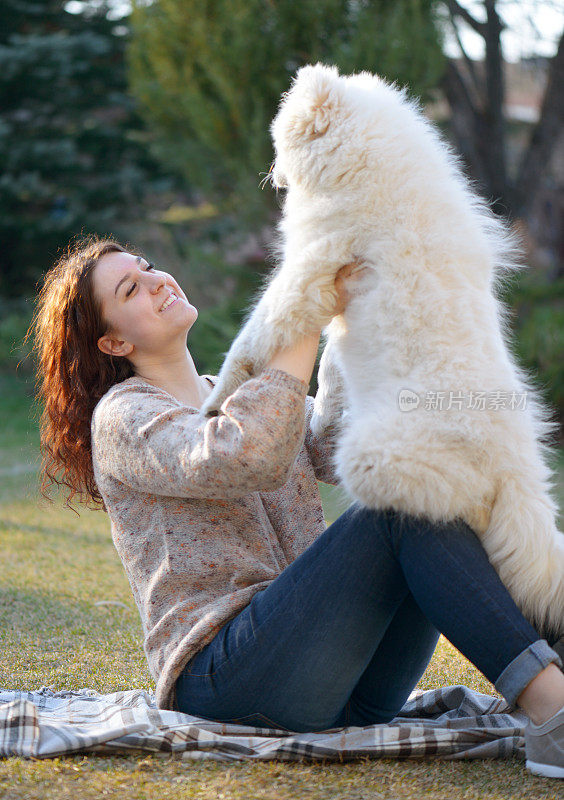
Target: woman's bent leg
{"x":394,"y":670}
{"x":293,"y":656}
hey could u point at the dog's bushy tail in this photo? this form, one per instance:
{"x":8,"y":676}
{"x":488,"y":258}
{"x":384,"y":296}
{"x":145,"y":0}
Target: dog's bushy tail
{"x":527,"y":550}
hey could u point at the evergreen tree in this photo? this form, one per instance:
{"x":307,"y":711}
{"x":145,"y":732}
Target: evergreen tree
{"x":210,"y":72}
{"x":71,"y":147}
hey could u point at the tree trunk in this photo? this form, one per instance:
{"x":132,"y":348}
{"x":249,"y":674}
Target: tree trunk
{"x":494,"y":112}
{"x":467,"y":124}
{"x":546,"y":133}
{"x":476,"y":102}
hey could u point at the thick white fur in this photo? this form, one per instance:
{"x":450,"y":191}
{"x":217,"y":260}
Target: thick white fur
{"x":369,"y":178}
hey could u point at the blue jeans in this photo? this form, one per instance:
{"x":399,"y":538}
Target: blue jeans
{"x":342,"y":636}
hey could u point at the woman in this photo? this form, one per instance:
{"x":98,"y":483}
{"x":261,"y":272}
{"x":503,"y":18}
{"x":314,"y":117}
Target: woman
{"x":252,"y":611}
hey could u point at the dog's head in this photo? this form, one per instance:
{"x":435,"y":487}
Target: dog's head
{"x":319,"y":131}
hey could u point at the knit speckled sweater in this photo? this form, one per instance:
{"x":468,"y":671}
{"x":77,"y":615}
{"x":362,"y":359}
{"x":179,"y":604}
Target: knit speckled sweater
{"x":205,"y":512}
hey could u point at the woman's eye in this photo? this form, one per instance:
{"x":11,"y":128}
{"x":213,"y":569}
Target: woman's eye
{"x":131,"y":289}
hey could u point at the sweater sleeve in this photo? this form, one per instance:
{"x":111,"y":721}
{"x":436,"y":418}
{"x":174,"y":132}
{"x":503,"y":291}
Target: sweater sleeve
{"x":148,"y":441}
{"x":321,"y":449}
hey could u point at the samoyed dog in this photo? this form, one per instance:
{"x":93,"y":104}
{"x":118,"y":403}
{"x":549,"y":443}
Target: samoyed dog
{"x":433,"y":416}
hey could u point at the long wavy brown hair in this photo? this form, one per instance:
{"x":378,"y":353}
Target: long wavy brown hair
{"x":72,"y":373}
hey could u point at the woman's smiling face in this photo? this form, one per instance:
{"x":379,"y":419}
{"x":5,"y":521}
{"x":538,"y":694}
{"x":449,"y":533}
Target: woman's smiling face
{"x":144,"y":308}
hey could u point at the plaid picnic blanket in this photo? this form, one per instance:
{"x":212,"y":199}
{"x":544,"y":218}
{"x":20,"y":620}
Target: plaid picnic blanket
{"x":450,"y":722}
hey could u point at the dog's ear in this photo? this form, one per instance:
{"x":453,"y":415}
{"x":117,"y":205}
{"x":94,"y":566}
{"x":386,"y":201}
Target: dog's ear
{"x":313,"y":100}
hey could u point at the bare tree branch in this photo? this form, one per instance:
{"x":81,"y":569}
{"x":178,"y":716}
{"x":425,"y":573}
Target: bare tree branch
{"x":532,"y":22}
{"x":494,"y":103}
{"x":467,"y":60}
{"x":466,"y":121}
{"x":457,"y":10}
{"x":477,"y":107}
{"x":455,"y":81}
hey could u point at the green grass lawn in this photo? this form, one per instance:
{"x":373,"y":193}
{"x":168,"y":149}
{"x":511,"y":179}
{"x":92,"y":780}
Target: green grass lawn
{"x":56,"y":567}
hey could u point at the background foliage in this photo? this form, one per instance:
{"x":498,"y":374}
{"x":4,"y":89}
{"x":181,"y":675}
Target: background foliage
{"x":211,"y":72}
{"x":154,"y":126}
{"x":72,"y":152}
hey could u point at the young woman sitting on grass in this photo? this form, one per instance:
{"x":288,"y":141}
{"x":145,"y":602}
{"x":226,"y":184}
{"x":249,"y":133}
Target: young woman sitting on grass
{"x":252,"y":610}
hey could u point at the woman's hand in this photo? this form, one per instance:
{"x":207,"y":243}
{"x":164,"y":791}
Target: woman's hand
{"x":345,"y":280}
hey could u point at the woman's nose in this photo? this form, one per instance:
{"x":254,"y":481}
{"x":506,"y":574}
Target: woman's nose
{"x":158,"y":282}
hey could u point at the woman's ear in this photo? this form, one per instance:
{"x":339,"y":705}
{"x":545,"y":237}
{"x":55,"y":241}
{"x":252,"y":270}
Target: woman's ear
{"x":114,"y":347}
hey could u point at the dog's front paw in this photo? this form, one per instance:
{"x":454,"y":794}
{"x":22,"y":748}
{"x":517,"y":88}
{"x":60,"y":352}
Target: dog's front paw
{"x":230,"y":378}
{"x":213,"y":402}
{"x":318,"y":424}
{"x":326,"y":414}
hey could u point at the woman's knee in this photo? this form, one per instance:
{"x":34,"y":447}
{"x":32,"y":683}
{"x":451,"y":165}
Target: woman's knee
{"x":375,"y":519}
{"x":394,"y":525}
{"x":386,"y":526}
{"x":407,"y":526}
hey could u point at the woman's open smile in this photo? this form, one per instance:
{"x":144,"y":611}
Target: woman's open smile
{"x":170,"y":301}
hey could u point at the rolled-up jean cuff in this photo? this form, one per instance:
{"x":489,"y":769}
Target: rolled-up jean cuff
{"x":526,"y":666}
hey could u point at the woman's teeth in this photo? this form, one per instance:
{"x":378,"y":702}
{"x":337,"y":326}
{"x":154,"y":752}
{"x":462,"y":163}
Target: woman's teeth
{"x":170,"y":299}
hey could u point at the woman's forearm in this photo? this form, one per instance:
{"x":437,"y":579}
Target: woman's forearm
{"x":298,"y":360}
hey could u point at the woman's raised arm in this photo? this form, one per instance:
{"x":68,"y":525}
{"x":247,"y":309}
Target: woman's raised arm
{"x":151,"y":443}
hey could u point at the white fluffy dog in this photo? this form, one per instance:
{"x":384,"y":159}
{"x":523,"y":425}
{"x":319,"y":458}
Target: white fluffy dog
{"x":435,"y":418}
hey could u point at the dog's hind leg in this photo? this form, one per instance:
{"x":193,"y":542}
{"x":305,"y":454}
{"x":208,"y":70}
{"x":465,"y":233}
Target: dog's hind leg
{"x":331,"y":397}
{"x":389,"y":461}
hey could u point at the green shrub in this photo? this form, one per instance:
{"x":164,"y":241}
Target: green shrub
{"x":15,"y":316}
{"x":538,"y":324}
